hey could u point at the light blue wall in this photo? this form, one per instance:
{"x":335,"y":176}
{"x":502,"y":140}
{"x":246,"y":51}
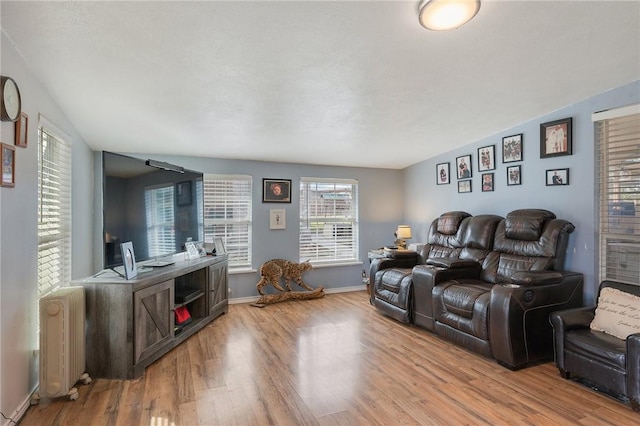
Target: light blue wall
{"x":425,"y":200}
{"x":19,"y":233}
{"x":381,"y":203}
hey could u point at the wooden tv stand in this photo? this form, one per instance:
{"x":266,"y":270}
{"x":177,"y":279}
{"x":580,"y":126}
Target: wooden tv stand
{"x":131,"y":323}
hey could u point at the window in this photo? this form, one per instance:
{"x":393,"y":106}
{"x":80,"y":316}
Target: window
{"x":54,"y":212}
{"x":328,"y":220}
{"x":227,"y":215}
{"x":161,"y":234}
{"x":618,"y":142}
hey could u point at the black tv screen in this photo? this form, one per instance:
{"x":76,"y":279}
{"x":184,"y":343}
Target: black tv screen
{"x":157,"y":207}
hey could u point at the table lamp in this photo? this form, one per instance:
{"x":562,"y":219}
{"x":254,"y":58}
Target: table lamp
{"x":402,"y":233}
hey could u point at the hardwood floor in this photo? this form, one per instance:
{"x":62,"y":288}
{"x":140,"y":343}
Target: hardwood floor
{"x":329,"y":361}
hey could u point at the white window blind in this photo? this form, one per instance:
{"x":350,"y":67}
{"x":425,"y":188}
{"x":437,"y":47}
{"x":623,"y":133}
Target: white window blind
{"x":160,"y":214}
{"x":54,"y":212}
{"x":328,"y":220}
{"x":618,"y":142}
{"x":228,"y":215}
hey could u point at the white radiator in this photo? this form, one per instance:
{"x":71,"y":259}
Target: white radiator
{"x":62,"y":342}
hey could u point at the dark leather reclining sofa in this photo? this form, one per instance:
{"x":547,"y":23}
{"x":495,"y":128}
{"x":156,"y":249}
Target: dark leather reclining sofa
{"x":485,"y":282}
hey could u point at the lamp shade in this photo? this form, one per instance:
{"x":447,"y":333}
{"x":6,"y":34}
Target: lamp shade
{"x":403,"y":232}
{"x":440,"y":15}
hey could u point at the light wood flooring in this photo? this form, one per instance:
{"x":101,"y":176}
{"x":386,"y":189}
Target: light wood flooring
{"x":329,"y":361}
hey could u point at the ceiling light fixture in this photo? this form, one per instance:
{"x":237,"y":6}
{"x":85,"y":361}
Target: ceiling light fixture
{"x":440,"y":15}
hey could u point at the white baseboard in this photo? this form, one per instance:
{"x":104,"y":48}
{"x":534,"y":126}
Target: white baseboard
{"x":253,"y":299}
{"x":20,"y":411}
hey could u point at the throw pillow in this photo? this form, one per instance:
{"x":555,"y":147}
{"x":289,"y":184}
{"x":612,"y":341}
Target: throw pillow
{"x":617,"y":313}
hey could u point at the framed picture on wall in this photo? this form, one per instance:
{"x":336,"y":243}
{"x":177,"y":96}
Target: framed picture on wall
{"x":442,"y":174}
{"x":276,"y":190}
{"x":514,"y":175}
{"x":21,"y":127}
{"x":463,"y":167}
{"x":556,"y":138}
{"x":277,"y":219}
{"x":557,"y":177}
{"x":487,"y":182}
{"x":8,"y":161}
{"x":512,"y":148}
{"x":464,"y":186}
{"x":487,"y":158}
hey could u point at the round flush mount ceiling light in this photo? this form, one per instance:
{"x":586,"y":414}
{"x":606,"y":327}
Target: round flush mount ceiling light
{"x":440,"y":15}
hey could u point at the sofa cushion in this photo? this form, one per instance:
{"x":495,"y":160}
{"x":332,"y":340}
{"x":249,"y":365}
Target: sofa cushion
{"x":526,"y":224}
{"x":604,"y":348}
{"x":460,"y":299}
{"x":617,"y":313}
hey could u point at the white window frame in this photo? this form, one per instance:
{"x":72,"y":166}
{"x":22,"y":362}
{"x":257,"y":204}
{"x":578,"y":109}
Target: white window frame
{"x":54,"y":208}
{"x":232,"y":197}
{"x":617,"y":134}
{"x":329,"y":230}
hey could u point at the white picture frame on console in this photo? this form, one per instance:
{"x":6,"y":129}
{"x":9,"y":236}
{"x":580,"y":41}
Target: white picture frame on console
{"x":128,"y":260}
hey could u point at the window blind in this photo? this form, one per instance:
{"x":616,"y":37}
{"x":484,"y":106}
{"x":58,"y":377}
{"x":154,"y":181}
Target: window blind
{"x":228,"y":215}
{"x":54,"y":212}
{"x":328,"y":220}
{"x":618,"y":145}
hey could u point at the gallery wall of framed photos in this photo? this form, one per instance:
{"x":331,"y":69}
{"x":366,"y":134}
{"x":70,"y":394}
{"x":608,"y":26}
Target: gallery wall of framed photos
{"x":556,"y":140}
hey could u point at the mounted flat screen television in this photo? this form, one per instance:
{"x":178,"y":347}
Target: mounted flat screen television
{"x":155,"y":205}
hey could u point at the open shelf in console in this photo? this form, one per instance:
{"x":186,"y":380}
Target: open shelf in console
{"x":189,"y":292}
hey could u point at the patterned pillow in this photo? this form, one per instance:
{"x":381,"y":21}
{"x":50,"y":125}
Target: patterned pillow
{"x":617,"y":313}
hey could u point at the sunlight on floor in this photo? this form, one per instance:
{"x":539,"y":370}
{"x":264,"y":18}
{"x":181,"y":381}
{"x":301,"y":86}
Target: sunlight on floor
{"x":157,"y":421}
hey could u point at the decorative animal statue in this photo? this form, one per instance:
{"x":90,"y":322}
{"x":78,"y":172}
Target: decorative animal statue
{"x":275,"y":269}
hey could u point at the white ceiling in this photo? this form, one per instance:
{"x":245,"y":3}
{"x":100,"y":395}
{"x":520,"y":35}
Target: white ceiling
{"x":354,"y":83}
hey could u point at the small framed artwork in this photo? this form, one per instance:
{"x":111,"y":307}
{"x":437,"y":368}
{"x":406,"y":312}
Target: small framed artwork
{"x":512,"y":148}
{"x":464,"y":186}
{"x":557,"y":177}
{"x":220,"y":248}
{"x":463,"y":166}
{"x":183,"y":193}
{"x":276,"y":190}
{"x":514,"y":174}
{"x":486,"y":158}
{"x":556,"y":138}
{"x":8,"y":161}
{"x":487,"y":182}
{"x":192,"y":250}
{"x":277,"y":219}
{"x":129,"y":260}
{"x":21,"y":130}
{"x":442,"y":174}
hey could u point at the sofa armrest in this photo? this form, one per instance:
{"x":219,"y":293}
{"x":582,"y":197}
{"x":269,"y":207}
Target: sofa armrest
{"x":633,"y":370}
{"x":519,"y":327}
{"x":572,"y":319}
{"x":563,"y":321}
{"x":529,"y":278}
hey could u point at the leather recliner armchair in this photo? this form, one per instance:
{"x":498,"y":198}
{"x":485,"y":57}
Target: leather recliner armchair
{"x":611,"y":363}
{"x":468,"y":248}
{"x":391,"y":287}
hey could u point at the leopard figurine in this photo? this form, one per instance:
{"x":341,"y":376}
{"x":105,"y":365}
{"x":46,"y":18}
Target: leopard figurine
{"x":275,"y":269}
